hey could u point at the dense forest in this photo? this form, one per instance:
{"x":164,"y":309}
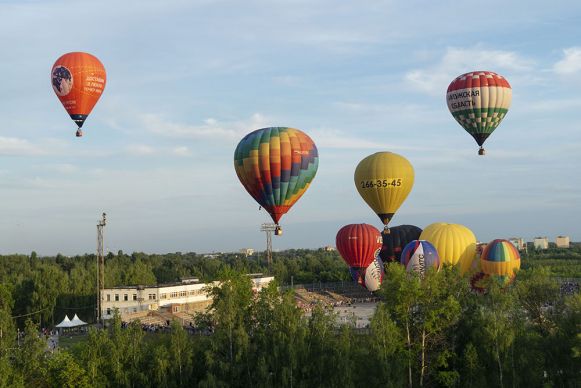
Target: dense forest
{"x":430,"y":331}
{"x":47,"y":288}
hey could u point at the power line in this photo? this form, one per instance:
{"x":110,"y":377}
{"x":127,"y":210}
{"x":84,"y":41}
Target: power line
{"x":25,"y":315}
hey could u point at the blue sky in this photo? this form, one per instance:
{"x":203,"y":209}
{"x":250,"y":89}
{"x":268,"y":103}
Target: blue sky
{"x":187,"y":79}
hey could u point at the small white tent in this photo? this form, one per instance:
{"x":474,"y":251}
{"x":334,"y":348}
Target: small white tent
{"x":65,"y":323}
{"x":77,"y":322}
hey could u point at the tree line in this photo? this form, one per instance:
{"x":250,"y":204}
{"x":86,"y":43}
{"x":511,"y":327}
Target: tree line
{"x":426,"y":331}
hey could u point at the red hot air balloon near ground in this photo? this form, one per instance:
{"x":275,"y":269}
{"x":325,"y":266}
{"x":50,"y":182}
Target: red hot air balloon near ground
{"x":78,"y":79}
{"x":276,"y":166}
{"x":358,"y":244}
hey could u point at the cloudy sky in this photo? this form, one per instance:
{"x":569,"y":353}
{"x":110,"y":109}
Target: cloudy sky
{"x":188,"y":79}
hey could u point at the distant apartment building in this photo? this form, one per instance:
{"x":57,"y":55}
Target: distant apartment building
{"x":563,"y":242}
{"x":329,"y":248}
{"x":189,"y":294}
{"x":247,"y":251}
{"x":519,"y":243}
{"x":541,"y":243}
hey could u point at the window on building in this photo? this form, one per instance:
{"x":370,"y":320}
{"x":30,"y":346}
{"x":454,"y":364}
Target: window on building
{"x":163,"y":296}
{"x":108,"y":297}
{"x":193,"y":292}
{"x":116,"y":297}
{"x":176,"y":309}
{"x":173,"y":295}
{"x":125,"y":297}
{"x":183,"y":293}
{"x":108,"y":311}
{"x":134,"y":296}
{"x":153,"y":296}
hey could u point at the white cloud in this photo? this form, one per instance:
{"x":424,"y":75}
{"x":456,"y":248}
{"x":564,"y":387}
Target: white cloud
{"x":182,"y":151}
{"x":140,"y":150}
{"x":210,"y":129}
{"x":330,"y":138}
{"x":19,"y":147}
{"x":456,"y":61}
{"x":571,"y":63}
{"x":63,"y":168}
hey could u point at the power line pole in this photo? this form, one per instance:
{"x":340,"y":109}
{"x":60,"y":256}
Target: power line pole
{"x":268,"y":229}
{"x":100,"y":267}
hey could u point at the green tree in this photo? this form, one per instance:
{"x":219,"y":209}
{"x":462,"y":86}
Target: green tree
{"x":180,"y":353}
{"x":31,"y":356}
{"x":63,"y":371}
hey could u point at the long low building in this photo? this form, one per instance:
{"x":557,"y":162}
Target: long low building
{"x":187,"y":295}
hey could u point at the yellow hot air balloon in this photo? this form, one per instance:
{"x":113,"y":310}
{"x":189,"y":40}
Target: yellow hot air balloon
{"x":384,"y":181}
{"x":455,"y":243}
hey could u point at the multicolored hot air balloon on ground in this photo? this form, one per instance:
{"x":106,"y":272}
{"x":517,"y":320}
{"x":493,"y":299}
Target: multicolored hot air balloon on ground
{"x":455,"y":243}
{"x":419,"y":255}
{"x":479,"y":100}
{"x":384,"y":181}
{"x":499,"y":262}
{"x":276,"y":165}
{"x":396,"y":240}
{"x":500,"y":258}
{"x":78,"y":79}
{"x":370,"y":277}
{"x":358,"y":244}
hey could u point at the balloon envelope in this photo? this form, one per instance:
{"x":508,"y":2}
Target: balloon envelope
{"x":479,"y":101}
{"x":370,"y":277}
{"x":358,"y":244}
{"x":455,"y":243}
{"x":78,"y":79}
{"x":500,"y":258}
{"x":384,"y":181}
{"x":419,"y":255}
{"x":397,"y":238}
{"x":276,"y":166}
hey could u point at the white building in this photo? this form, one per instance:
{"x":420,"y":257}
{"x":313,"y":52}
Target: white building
{"x":541,"y":243}
{"x":563,"y":242}
{"x":519,"y":243}
{"x":247,"y":251}
{"x":189,"y":294}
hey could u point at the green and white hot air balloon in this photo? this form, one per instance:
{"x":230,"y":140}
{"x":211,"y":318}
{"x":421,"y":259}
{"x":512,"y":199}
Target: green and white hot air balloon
{"x":479,"y":101}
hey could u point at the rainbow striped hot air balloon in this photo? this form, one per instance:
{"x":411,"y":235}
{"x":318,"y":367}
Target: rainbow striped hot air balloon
{"x":276,"y":166}
{"x":500,"y":258}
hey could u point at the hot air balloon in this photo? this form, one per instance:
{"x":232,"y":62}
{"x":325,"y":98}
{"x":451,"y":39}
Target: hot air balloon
{"x":479,"y":100}
{"x":370,"y":277}
{"x":384,"y":181}
{"x":78,"y":79}
{"x":358,"y":244}
{"x":419,"y":255}
{"x":479,"y":282}
{"x":276,"y":166}
{"x":455,"y":243}
{"x":500,"y":258}
{"x":396,"y":240}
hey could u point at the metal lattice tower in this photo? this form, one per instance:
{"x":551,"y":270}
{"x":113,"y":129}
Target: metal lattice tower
{"x":100,"y":267}
{"x":268,"y":229}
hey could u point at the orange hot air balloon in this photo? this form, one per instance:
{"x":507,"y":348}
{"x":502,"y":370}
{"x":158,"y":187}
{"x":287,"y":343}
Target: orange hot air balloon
{"x":78,"y":79}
